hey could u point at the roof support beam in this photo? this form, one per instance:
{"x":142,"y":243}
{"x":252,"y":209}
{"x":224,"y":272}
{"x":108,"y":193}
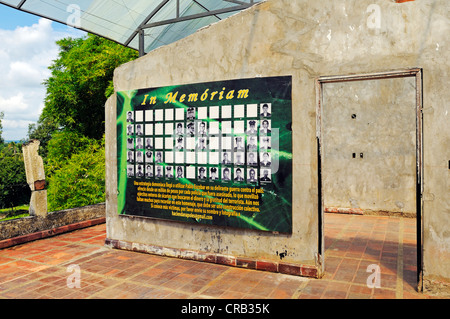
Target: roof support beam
{"x":21,"y":4}
{"x":237,"y":2}
{"x":141,"y":43}
{"x":197,"y":16}
{"x":151,"y":15}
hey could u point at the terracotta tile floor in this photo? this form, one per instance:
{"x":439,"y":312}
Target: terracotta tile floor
{"x":40,"y":269}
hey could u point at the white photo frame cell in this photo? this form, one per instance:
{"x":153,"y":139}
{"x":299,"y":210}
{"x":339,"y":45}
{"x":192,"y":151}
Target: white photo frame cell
{"x":239,"y":111}
{"x":159,"y":115}
{"x":214,"y":127}
{"x":169,"y":115}
{"x":190,"y":172}
{"x":148,"y":115}
{"x":226,"y":111}
{"x":252,"y":110}
{"x":179,"y":114}
{"x":214,"y":112}
{"x":202,"y":113}
{"x":139,"y":116}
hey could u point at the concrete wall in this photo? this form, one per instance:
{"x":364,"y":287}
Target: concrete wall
{"x":369,"y":145}
{"x":304,"y":39}
{"x":20,"y":230}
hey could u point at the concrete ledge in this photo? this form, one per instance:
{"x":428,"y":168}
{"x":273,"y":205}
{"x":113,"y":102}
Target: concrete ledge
{"x":359,"y":211}
{"x":20,"y":230}
{"x":436,"y":286}
{"x":242,"y":262}
{"x":50,"y":232}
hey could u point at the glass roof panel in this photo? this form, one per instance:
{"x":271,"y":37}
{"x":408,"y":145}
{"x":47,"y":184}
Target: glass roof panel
{"x":121,"y":20}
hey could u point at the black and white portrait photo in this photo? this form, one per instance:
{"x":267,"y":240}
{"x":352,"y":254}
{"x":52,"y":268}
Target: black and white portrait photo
{"x":202,"y":129}
{"x":213,"y":174}
{"x":180,"y":172}
{"x":252,"y":127}
{"x":139,"y":144}
{"x":158,"y":158}
{"x":169,"y":172}
{"x":190,"y":114}
{"x":159,"y":171}
{"x":202,"y":173}
{"x":265,"y":143}
{"x":140,"y":171}
{"x":130,"y":117}
{"x":179,"y":129}
{"x":139,"y":130}
{"x":180,"y":143}
{"x":148,"y":143}
{"x":239,"y":158}
{"x":238,"y":144}
{"x":252,"y":159}
{"x":190,"y":128}
{"x":130,"y":170}
{"x":148,"y":171}
{"x":265,"y":160}
{"x":130,"y":157}
{"x":238,"y":175}
{"x":265,"y":127}
{"x":148,"y":156}
{"x":265,"y":175}
{"x":226,"y":175}
{"x":265,"y":109}
{"x":226,"y":158}
{"x":252,"y":145}
{"x":139,"y":157}
{"x":130,"y":142}
{"x":130,"y":130}
{"x":201,"y":144}
{"x":251,"y":175}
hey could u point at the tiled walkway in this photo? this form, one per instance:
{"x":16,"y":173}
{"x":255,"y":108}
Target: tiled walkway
{"x":40,"y":269}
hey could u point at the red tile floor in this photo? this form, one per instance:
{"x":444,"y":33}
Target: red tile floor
{"x":40,"y":269}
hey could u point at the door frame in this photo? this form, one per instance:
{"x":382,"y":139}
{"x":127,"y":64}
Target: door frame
{"x":414,"y":72}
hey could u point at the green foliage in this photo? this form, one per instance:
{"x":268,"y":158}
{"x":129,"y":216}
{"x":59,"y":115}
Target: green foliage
{"x":42,"y":131}
{"x":80,"y":181}
{"x":14,"y":189}
{"x":71,"y":125}
{"x":81,"y":81}
{"x":1,"y":128}
{"x":14,"y":212}
{"x":62,"y":146}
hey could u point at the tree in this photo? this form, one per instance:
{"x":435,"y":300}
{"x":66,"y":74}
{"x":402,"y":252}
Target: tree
{"x":1,"y":128}
{"x":14,"y":189}
{"x":43,"y":132}
{"x":71,"y":125}
{"x":80,"y":181}
{"x":62,"y":146}
{"x":80,"y":83}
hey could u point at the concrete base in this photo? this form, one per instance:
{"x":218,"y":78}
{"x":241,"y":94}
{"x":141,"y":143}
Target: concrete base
{"x":360,"y":211}
{"x":38,"y":203}
{"x":242,"y":262}
{"x":439,"y":288}
{"x":26,"y":226}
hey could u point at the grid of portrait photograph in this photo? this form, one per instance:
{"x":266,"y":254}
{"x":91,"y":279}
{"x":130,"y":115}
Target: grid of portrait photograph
{"x":224,"y":144}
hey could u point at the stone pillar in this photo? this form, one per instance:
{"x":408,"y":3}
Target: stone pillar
{"x":34,"y":168}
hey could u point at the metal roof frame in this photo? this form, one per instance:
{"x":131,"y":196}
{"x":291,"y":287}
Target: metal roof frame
{"x":222,"y":7}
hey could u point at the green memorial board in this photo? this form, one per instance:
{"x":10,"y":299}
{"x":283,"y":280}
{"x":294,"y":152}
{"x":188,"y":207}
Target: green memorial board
{"x":216,"y":153}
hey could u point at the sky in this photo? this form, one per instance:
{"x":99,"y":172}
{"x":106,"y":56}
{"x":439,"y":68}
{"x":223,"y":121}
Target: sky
{"x":27,"y":48}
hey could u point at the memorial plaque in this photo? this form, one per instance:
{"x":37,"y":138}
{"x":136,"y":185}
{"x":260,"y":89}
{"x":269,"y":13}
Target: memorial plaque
{"x":216,"y":153}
